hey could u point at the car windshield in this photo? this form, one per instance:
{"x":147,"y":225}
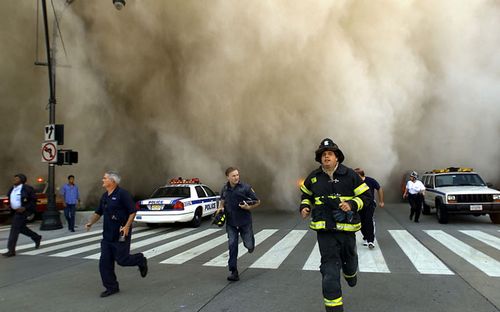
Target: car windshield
{"x":176,"y":191}
{"x":459,"y":180}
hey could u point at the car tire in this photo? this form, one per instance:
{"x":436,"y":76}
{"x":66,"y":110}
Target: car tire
{"x":196,"y":222}
{"x":495,"y":218}
{"x":426,"y":210}
{"x":441,"y":213}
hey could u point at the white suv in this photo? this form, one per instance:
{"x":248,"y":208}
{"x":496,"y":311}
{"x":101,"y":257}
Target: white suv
{"x":459,"y":191}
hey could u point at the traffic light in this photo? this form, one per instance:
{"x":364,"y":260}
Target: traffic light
{"x":67,"y":157}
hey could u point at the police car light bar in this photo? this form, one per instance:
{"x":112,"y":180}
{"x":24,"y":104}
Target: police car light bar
{"x":184,"y":181}
{"x":453,"y":169}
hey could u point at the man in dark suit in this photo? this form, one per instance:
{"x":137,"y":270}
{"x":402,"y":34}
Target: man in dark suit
{"x":22,"y":201}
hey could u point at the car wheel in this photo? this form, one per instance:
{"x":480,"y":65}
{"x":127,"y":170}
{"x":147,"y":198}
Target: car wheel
{"x":426,"y":210}
{"x":441,"y":213}
{"x":196,"y":222}
{"x":495,"y":218}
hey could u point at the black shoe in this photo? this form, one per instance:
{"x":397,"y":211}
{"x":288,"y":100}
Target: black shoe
{"x":143,"y":268}
{"x":250,"y":250}
{"x":9,"y":254}
{"x":108,"y":293}
{"x":411,"y":216}
{"x":37,"y":241}
{"x":234,"y":277}
{"x":351,"y":281}
{"x":416,"y":221}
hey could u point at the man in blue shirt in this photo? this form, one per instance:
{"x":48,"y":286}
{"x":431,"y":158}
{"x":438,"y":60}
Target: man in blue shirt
{"x":367,"y":214}
{"x":71,"y":197}
{"x":118,"y":209}
{"x":236,"y":200}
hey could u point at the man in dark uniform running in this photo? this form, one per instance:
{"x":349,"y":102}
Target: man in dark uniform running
{"x":118,"y":209}
{"x":236,"y":200}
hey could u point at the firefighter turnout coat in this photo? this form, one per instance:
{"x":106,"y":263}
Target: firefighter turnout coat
{"x":323,"y":196}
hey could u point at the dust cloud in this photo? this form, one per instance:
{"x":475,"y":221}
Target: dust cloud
{"x":186,"y":88}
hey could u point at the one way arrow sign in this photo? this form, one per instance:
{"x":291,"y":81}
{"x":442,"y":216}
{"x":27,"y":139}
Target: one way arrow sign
{"x":50,"y":132}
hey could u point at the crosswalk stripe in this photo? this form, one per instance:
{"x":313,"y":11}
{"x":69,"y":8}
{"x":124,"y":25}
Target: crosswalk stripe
{"x":424,"y":261}
{"x":196,"y":251}
{"x":83,"y":249}
{"x":221,"y":260}
{"x":370,"y":260}
{"x":273,"y":258}
{"x":44,"y":249}
{"x":484,"y":237}
{"x":177,"y":243}
{"x":478,"y":259}
{"x":314,"y":260}
{"x":148,"y":241}
{"x":55,"y":240}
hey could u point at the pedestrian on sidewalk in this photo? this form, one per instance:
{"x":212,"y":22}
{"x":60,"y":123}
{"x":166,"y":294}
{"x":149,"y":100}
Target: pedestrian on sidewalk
{"x":22,"y":199}
{"x":118,"y":209}
{"x":71,"y":196}
{"x":368,"y":212}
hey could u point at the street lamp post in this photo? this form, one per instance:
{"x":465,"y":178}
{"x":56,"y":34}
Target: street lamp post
{"x":51,"y":217}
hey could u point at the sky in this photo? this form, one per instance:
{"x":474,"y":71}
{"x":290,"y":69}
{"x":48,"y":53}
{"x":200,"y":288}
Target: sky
{"x":163,"y":89}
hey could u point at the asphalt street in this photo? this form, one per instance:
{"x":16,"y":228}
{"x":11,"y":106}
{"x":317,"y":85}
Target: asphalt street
{"x":422,"y":266}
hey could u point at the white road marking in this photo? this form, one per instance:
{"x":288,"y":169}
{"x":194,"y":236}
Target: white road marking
{"x":273,"y":258}
{"x":478,"y":259}
{"x":422,"y":258}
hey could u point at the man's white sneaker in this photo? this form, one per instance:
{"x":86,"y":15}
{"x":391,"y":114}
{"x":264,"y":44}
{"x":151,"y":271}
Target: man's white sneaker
{"x":371,"y":245}
{"x":365,"y":243}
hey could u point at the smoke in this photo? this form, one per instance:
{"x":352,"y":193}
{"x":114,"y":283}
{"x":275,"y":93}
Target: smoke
{"x":187,"y":88}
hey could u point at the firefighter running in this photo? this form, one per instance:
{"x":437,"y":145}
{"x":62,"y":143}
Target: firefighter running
{"x":333,"y":194}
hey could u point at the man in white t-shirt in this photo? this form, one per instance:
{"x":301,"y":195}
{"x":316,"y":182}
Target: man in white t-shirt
{"x":414,"y":191}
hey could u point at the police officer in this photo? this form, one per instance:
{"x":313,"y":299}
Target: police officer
{"x":236,"y":200}
{"x":118,"y":209}
{"x":414,"y":191}
{"x":332,"y":195}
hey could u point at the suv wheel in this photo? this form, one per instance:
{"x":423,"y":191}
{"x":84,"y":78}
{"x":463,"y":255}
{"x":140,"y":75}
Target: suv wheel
{"x":495,"y":218}
{"x":441,"y":213}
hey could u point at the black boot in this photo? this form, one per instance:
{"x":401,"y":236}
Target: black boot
{"x":233,"y":277}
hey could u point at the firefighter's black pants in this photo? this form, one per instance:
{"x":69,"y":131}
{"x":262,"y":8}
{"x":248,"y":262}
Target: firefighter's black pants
{"x":338,"y":251}
{"x":367,"y":222}
{"x":416,"y":201}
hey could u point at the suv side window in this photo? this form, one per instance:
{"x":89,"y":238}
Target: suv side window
{"x":427,"y":181}
{"x":200,"y":192}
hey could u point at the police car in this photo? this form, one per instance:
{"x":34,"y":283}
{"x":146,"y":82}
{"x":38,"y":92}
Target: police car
{"x":179,"y":201}
{"x":458,"y":190}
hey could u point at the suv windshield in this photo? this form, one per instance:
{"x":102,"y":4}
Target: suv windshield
{"x":459,"y":180}
{"x":176,"y":191}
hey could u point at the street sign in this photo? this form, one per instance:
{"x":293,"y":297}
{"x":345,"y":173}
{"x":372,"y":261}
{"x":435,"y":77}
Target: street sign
{"x":49,"y":151}
{"x":50,"y":132}
{"x":53,"y":132}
